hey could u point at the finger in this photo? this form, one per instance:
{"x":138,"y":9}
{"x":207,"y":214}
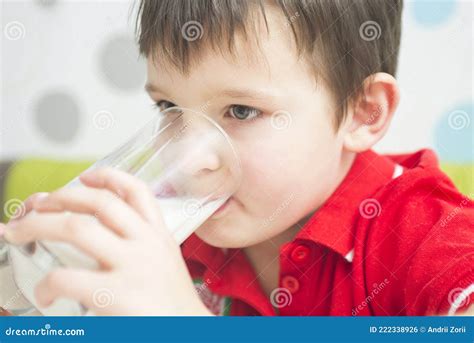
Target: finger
{"x":84,"y":286}
{"x":27,"y":205}
{"x":110,"y":210}
{"x":134,"y":191}
{"x":81,"y":231}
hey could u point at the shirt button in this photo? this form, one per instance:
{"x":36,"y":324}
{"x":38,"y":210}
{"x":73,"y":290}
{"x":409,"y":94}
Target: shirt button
{"x":290,"y":283}
{"x":300,"y":254}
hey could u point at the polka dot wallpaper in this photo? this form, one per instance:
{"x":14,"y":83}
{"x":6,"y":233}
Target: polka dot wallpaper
{"x":72,"y":80}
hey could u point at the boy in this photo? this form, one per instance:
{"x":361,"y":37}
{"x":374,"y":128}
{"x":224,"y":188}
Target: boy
{"x":321,"y":224}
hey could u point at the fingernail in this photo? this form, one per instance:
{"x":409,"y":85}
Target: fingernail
{"x":42,"y":201}
{"x":39,"y":199}
{"x":41,"y":196}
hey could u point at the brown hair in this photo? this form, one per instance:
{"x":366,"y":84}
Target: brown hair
{"x":344,"y":41}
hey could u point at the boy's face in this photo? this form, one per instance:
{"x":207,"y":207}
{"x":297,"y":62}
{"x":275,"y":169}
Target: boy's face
{"x":280,"y":122}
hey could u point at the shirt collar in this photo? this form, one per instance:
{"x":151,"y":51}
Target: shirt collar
{"x":333,"y":224}
{"x":195,"y":249}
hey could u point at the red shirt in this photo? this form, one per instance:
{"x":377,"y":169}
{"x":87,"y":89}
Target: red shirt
{"x":395,"y":238}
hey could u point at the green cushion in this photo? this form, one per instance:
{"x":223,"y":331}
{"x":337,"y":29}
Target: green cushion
{"x":30,"y":176}
{"x":462,"y":175}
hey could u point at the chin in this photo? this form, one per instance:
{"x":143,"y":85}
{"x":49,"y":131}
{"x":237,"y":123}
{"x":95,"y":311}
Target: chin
{"x":226,"y":235}
{"x":224,"y":229}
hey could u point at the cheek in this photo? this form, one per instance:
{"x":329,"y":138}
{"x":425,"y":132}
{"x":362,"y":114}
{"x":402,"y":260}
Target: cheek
{"x":269,"y":177}
{"x":263,"y":181}
{"x":286,"y":175}
{"x":294,"y":167}
{"x":272,"y":197}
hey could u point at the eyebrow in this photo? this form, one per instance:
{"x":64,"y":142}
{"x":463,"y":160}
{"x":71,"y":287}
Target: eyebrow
{"x":249,"y":93}
{"x":231,"y":92}
{"x":151,"y":88}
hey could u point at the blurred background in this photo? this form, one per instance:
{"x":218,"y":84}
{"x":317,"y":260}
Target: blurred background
{"x":72,"y":89}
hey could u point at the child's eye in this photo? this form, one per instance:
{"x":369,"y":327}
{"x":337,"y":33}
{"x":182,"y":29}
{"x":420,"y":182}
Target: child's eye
{"x":163,"y":105}
{"x":241,"y":112}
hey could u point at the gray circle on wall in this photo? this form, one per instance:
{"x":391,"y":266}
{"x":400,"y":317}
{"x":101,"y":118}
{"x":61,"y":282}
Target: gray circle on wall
{"x":120,"y":64}
{"x":56,"y":115}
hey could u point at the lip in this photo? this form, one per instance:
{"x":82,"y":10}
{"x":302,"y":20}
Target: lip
{"x":223,"y":209}
{"x":165,"y":190}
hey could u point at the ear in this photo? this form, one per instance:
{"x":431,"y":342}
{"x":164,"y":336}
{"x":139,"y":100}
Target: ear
{"x":369,"y":117}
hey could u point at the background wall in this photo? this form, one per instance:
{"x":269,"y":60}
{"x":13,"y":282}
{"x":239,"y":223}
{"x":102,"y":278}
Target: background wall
{"x":72,"y":83}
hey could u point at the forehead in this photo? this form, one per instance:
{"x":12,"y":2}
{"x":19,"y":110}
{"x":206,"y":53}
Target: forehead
{"x":268,"y":53}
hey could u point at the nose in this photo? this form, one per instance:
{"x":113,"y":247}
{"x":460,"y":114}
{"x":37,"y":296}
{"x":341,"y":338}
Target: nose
{"x":200,"y":155}
{"x":200,"y":169}
{"x":197,"y":155}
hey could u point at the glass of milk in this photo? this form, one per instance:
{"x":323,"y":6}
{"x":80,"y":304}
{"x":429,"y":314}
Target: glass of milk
{"x":188,"y":162}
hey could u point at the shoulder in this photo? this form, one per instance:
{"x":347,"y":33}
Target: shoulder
{"x":424,"y":235}
{"x":423,"y":197}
